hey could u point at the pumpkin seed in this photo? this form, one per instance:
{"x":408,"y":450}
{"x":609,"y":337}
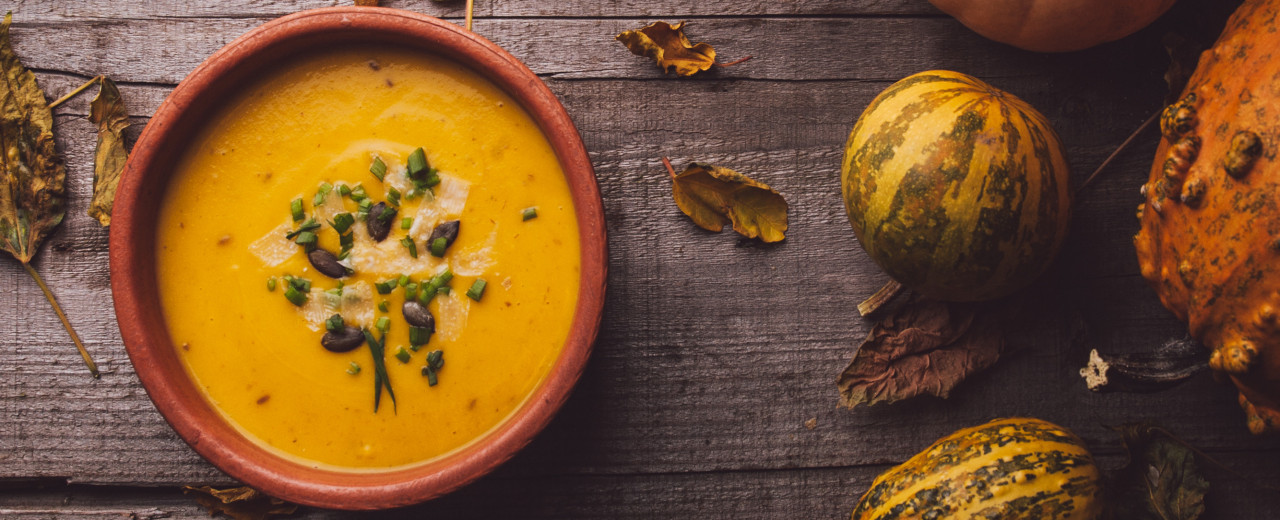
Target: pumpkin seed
{"x":447,"y":230}
{"x":327,"y":263}
{"x":417,"y":315}
{"x":378,"y":222}
{"x":345,"y":339}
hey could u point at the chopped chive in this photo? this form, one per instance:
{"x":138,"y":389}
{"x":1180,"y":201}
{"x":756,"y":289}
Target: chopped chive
{"x":378,"y":168}
{"x":393,"y":196}
{"x":384,"y":306}
{"x":336,"y":291}
{"x":321,"y":193}
{"x":417,"y":162}
{"x":387,"y":214}
{"x":410,"y":291}
{"x":354,"y":368}
{"x":403,"y":280}
{"x":413,"y":194}
{"x":418,"y":336}
{"x":271,"y":284}
{"x":358,"y":194}
{"x":344,"y":190}
{"x":442,"y":291}
{"x":344,"y":254}
{"x":380,"y":378}
{"x":342,"y":222}
{"x":435,"y":362}
{"x":529,"y":213}
{"x":363,"y":207}
{"x":334,"y":322}
{"x":347,"y":241}
{"x":309,"y":225}
{"x":409,"y":244}
{"x":385,"y":287}
{"x":433,"y":180}
{"x":295,"y":296}
{"x":296,"y":208}
{"x":438,"y":247}
{"x":306,"y":239}
{"x":432,"y":379}
{"x":402,"y":354}
{"x":406,"y":223}
{"x":477,"y":289}
{"x":301,"y":284}
{"x":383,"y":324}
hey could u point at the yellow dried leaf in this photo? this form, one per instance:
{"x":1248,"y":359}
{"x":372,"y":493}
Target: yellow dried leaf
{"x":242,"y":503}
{"x":108,"y":112}
{"x":713,"y":196}
{"x":669,"y":47}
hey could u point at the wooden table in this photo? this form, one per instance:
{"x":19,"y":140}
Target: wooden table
{"x":711,"y":392}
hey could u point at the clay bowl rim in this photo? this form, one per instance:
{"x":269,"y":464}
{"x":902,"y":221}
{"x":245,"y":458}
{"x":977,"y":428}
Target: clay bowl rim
{"x":132,"y":258}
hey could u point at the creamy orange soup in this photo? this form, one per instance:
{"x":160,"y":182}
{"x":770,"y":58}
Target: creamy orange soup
{"x":322,"y":121}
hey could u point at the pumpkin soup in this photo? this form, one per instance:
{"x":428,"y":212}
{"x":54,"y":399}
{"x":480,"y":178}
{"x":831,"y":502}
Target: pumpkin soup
{"x":368,"y":259}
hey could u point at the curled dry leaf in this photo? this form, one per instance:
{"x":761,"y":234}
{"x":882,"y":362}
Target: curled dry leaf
{"x":108,"y":112}
{"x":33,"y":180}
{"x":923,"y":347}
{"x":242,"y":503}
{"x":669,"y":47}
{"x":1161,"y":481}
{"x":713,"y":196}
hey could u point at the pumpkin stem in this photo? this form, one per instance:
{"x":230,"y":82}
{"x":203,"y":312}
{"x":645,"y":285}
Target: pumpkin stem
{"x":1172,"y":363}
{"x":1119,"y":149}
{"x":880,"y":298}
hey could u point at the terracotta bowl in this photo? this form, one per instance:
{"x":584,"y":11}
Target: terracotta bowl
{"x":133,"y":261}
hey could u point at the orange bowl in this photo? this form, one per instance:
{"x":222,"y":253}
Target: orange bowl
{"x":133,"y":260}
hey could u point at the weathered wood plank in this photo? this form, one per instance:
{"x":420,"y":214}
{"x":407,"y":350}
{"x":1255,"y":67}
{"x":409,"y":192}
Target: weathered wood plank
{"x":806,"y":49}
{"x":821,"y":493}
{"x":53,"y":10}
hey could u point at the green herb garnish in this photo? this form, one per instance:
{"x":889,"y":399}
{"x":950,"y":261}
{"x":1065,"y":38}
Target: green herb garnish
{"x":418,"y":336}
{"x":295,"y":296}
{"x":321,"y":193}
{"x":383,"y":324}
{"x":307,"y":240}
{"x":358,"y":194}
{"x":443,"y":291}
{"x":354,"y":368}
{"x":342,"y":222}
{"x":385,"y":287}
{"x":301,"y":284}
{"x":380,"y":379}
{"x":384,"y":306}
{"x":438,"y":247}
{"x":529,"y":213}
{"x":477,"y":289}
{"x":406,"y":223}
{"x":435,"y":362}
{"x":344,"y":190}
{"x":334,"y":323}
{"x":378,"y":168}
{"x":271,"y":284}
{"x":410,"y":291}
{"x":309,"y":225}
{"x":403,"y":280}
{"x":393,"y":196}
{"x":430,"y":288}
{"x":409,"y":244}
{"x":402,"y":354}
{"x":296,"y":208}
{"x":417,"y":162}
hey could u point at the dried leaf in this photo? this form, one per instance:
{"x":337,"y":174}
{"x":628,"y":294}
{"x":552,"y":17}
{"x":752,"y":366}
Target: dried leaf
{"x":669,"y":47}
{"x":367,"y":3}
{"x":1161,"y":481}
{"x":242,"y":503}
{"x":713,"y":196}
{"x":108,"y":112}
{"x":923,"y":347}
{"x":32,"y":185}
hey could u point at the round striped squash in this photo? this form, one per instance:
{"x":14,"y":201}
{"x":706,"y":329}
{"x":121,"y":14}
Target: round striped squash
{"x":957,"y":189}
{"x":1007,"y":469}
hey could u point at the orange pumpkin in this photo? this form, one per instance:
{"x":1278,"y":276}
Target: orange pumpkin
{"x":1210,"y":237}
{"x":1054,"y":25}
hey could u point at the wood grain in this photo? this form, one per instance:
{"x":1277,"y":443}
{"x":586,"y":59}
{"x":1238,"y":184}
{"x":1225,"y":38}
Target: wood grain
{"x":714,"y":351}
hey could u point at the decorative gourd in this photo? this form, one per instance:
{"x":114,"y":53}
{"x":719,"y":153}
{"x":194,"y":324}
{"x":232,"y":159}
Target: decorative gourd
{"x":1054,"y":25}
{"x":1007,"y":469}
{"x":956,"y":189}
{"x":1210,"y":237}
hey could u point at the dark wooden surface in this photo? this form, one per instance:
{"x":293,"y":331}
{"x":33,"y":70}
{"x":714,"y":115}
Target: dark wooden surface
{"x":714,"y":351}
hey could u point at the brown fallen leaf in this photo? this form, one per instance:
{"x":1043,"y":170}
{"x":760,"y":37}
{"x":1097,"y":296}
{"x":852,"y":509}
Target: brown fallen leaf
{"x":33,"y":177}
{"x":713,"y":196}
{"x":1161,"y":480}
{"x":108,"y":112}
{"x":923,"y":347}
{"x":241,"y":503}
{"x":669,"y":47}
{"x":367,"y":3}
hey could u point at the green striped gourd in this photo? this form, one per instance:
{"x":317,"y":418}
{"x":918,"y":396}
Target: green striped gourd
{"x":956,"y":189}
{"x":1007,"y":469}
